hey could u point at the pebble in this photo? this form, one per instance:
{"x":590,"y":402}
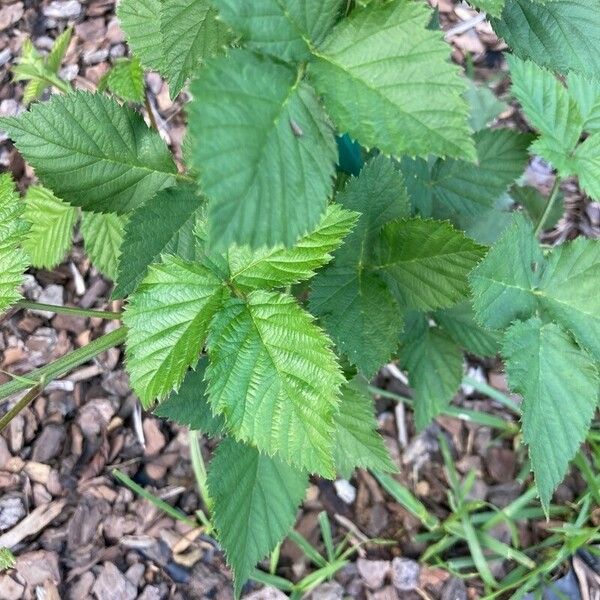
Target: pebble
{"x":111,"y":583}
{"x":11,"y":511}
{"x":11,"y":590}
{"x":69,"y":72}
{"x":45,"y":42}
{"x":331,"y":590}
{"x":118,"y":51}
{"x":63,"y":9}
{"x":95,"y":57}
{"x":5,"y":56}
{"x":52,"y":294}
{"x":49,"y":443}
{"x":9,"y":108}
{"x":405,"y":574}
{"x":373,"y":572}
{"x":455,"y":589}
{"x":345,"y":490}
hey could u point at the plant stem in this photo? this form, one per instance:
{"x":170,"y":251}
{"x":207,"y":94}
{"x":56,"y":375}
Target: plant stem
{"x":493,"y":393}
{"x":65,"y":364}
{"x":69,"y":310}
{"x":149,"y":111}
{"x":549,"y":206}
{"x":29,"y":397}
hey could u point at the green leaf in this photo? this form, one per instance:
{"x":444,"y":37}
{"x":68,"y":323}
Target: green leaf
{"x":92,"y":152}
{"x":586,"y":165}
{"x":546,"y":103}
{"x":466,"y":189}
{"x":167,"y":319}
{"x":164,"y":224}
{"x":51,"y":232}
{"x":586,"y":93}
{"x":359,"y":313}
{"x":102,"y":239}
{"x":568,"y":291}
{"x":256,"y":498}
{"x":190,"y":406}
{"x":172,"y":36}
{"x":485,"y":106}
{"x":125,"y":80}
{"x":426,"y":262}
{"x":491,"y":7}
{"x":7,"y":559}
{"x":503,"y":284}
{"x":562,"y":35}
{"x":459,"y":323}
{"x":375,"y":90}
{"x":274,"y":378}
{"x":435,"y":369}
{"x":559,"y":385}
{"x":284,"y":30}
{"x":280,"y":266}
{"x":535,"y":204}
{"x":266,"y":163}
{"x":357,"y":443}
{"x":13,"y":260}
{"x":59,"y":50}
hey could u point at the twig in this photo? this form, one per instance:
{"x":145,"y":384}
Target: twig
{"x":465,"y":26}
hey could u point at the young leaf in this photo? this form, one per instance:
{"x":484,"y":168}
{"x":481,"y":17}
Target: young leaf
{"x":125,"y":80}
{"x":562,"y":35}
{"x":266,"y":163}
{"x":465,"y":189}
{"x":140,"y":20}
{"x":568,"y":290}
{"x":546,"y":103}
{"x":92,"y":152}
{"x":435,"y":368}
{"x":375,"y":89}
{"x":284,"y":30}
{"x":459,"y":323}
{"x":425,"y":262}
{"x":167,"y":319}
{"x":280,"y":266}
{"x":51,"y":232}
{"x":559,"y":385}
{"x":256,"y":498}
{"x":189,"y":406}
{"x":13,"y":261}
{"x":102,"y":239}
{"x":503,"y":284}
{"x":274,"y":378}
{"x":164,"y":224}
{"x":586,"y":93}
{"x":357,"y":443}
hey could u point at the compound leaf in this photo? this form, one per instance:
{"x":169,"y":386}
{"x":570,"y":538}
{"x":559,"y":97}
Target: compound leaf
{"x":164,"y":224}
{"x":568,"y":291}
{"x":357,"y":443}
{"x":376,"y":89}
{"x":13,"y":260}
{"x":562,"y":35}
{"x":274,"y":378}
{"x":167,"y":319}
{"x":285,"y":30}
{"x":425,"y":262}
{"x":51,"y":232}
{"x":102,"y":239}
{"x":189,"y":406}
{"x":256,"y":498}
{"x":92,"y":152}
{"x":266,"y":163}
{"x":503,"y":283}
{"x":280,"y":266}
{"x":435,"y":368}
{"x":559,"y":385}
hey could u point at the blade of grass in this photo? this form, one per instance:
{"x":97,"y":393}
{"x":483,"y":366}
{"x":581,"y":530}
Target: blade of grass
{"x":477,"y":555}
{"x":272,"y":580}
{"x":325,"y":526}
{"x":493,"y":393}
{"x":307,"y":548}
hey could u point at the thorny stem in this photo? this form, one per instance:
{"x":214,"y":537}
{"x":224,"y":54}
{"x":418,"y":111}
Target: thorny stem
{"x":29,"y":397}
{"x":63,"y":365}
{"x":69,"y":310}
{"x":549,"y":206}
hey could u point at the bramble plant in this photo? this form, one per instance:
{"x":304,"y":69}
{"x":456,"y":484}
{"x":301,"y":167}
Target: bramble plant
{"x":275,"y":254}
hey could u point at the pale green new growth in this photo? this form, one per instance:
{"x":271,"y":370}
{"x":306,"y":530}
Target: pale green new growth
{"x":274,"y":378}
{"x":102,"y":239}
{"x":167,"y":320}
{"x":92,"y":152}
{"x":377,"y":89}
{"x":13,"y":261}
{"x":357,"y":443}
{"x":51,"y":227}
{"x":559,"y":384}
{"x":287,"y":30}
{"x":256,"y":498}
{"x":266,"y":163}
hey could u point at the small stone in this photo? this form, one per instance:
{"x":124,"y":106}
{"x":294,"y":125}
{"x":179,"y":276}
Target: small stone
{"x":5,"y":56}
{"x":63,"y":9}
{"x":10,"y":14}
{"x":118,"y":51}
{"x":69,"y":72}
{"x":135,"y":574}
{"x":9,"y":108}
{"x":345,"y":490}
{"x":52,"y":294}
{"x":114,"y":33}
{"x":81,"y":589}
{"x":155,"y":440}
{"x":151,"y":592}
{"x":12,"y":511}
{"x":49,"y":443}
{"x":501,"y":464}
{"x":45,"y":42}
{"x":35,"y":568}
{"x":373,"y":572}
{"x":405,"y":574}
{"x":91,"y":30}
{"x":111,"y":583}
{"x":455,"y":589}
{"x":331,"y":590}
{"x":267,"y":593}
{"x":95,"y":56}
{"x":387,"y":593}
